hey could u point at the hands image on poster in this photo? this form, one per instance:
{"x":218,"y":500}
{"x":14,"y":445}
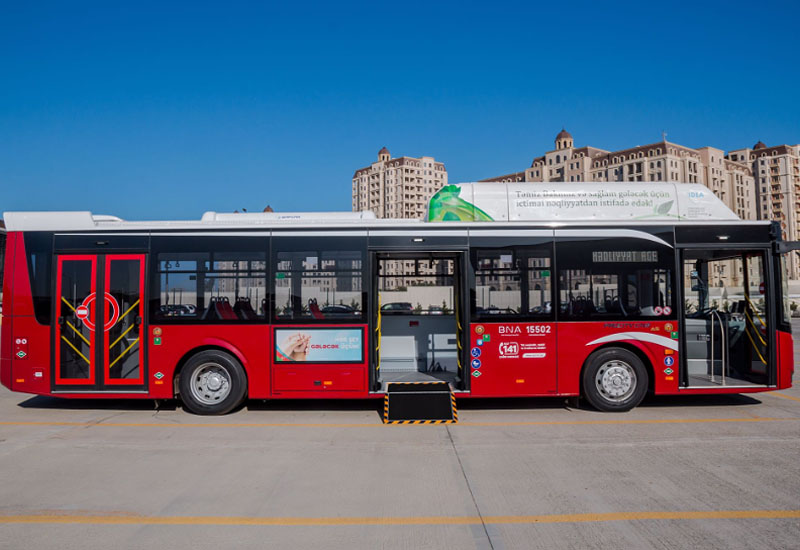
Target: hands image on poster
{"x":294,"y":347}
{"x":322,"y":345}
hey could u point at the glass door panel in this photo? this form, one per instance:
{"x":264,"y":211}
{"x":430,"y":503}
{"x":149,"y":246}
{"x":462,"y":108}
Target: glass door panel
{"x":76,"y":314}
{"x":99,"y":322}
{"x":124,"y":285}
{"x":725,"y":318}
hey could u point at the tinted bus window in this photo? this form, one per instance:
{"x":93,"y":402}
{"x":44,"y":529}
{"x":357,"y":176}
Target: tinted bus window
{"x":39,"y":251}
{"x":318,"y":283}
{"x":512,"y":282}
{"x":615,"y":279}
{"x":217,"y":285}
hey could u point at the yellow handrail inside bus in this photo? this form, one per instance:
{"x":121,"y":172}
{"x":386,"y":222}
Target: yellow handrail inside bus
{"x":755,"y":347}
{"x":75,"y":349}
{"x":121,"y":336}
{"x":82,"y":337}
{"x":136,"y":303}
{"x":755,"y":310}
{"x":757,"y":332}
{"x":459,"y":330}
{"x":378,"y":335}
{"x":121,"y":355}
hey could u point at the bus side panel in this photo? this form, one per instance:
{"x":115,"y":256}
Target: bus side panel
{"x":21,"y":285}
{"x":31,"y":368}
{"x":7,"y":319}
{"x":577,"y":340}
{"x":785,"y":359}
{"x":513,"y":359}
{"x":248,"y":343}
{"x":31,"y":372}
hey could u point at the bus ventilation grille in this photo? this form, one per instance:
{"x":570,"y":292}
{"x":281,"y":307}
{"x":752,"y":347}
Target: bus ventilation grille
{"x":419,"y":403}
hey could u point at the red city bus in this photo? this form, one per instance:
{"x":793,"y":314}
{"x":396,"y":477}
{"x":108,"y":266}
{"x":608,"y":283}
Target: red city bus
{"x":271,"y":306}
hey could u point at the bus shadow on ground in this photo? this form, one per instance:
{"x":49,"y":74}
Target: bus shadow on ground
{"x":376,"y":405}
{"x":57,"y":403}
{"x":322,"y":405}
{"x":718,"y":400}
{"x":512,"y":403}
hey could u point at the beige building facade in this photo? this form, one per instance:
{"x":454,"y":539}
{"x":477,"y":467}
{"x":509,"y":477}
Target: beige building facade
{"x":731,"y":181}
{"x":777,"y":179}
{"x":758,"y":183}
{"x":397,"y":187}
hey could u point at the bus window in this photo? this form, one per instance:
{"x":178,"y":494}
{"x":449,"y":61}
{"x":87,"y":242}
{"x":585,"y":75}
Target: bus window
{"x":212,"y":287}
{"x":621,"y":279}
{"x":319,"y":286}
{"x":512,"y":282}
{"x":39,"y":250}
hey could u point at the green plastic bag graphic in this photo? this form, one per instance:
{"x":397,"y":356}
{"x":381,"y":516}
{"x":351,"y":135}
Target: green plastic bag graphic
{"x":447,"y":206}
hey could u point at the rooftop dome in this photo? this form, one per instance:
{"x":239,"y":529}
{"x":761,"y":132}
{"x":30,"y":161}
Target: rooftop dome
{"x":384,"y":151}
{"x":760,"y":145}
{"x":563,"y":134}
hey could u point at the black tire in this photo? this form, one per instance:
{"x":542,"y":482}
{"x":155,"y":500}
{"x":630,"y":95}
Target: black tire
{"x":614,"y":380}
{"x":212,"y":382}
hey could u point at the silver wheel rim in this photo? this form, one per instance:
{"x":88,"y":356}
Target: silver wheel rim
{"x":615,"y":380}
{"x":211,"y":383}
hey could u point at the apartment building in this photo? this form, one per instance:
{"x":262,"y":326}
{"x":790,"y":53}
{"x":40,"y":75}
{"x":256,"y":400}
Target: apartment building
{"x":777,"y":181}
{"x":730,"y":180}
{"x":397,"y":187}
{"x":400,"y":188}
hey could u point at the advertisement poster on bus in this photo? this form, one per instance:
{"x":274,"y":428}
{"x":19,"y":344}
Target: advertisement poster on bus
{"x":319,"y":345}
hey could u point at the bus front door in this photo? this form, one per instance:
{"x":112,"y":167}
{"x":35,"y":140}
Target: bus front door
{"x":726,"y":318}
{"x":99,"y":312}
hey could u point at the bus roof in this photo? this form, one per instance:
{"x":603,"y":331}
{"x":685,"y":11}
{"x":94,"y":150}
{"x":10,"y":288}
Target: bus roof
{"x":462,"y":205}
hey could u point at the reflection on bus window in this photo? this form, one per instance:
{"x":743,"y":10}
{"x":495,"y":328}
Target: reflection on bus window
{"x":419,"y":286}
{"x":212,"y":286}
{"x":319,"y":285}
{"x":614,"y":280}
{"x":513,"y":282}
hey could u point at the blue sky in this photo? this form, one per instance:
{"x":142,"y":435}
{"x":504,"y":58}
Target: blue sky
{"x":157,"y":110}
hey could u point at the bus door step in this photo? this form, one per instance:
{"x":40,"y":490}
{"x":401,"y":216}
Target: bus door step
{"x":419,"y":403}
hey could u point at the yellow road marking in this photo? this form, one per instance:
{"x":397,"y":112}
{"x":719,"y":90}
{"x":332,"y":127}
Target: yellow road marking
{"x":379,"y":424}
{"x":784,"y":396}
{"x":133,"y":519}
{"x":76,"y":350}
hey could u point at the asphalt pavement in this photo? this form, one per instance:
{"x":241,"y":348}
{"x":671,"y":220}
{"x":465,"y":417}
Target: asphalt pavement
{"x":677,"y":472}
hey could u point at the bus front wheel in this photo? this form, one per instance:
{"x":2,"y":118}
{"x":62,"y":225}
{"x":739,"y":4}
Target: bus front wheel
{"x":212,"y":382}
{"x":614,"y":380}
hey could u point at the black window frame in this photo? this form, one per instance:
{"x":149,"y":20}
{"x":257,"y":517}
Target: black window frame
{"x":283,"y":244}
{"x":211,"y":245}
{"x":40,"y":258}
{"x":568,"y":247}
{"x":539,"y":244}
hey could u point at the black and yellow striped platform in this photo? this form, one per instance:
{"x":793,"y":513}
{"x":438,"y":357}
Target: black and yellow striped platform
{"x":419,"y":403}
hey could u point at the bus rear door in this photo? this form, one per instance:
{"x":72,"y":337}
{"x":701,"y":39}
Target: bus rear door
{"x":99,"y":315}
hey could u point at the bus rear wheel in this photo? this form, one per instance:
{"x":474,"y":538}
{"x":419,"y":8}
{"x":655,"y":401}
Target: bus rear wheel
{"x":212,"y":382}
{"x":614,"y":380}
